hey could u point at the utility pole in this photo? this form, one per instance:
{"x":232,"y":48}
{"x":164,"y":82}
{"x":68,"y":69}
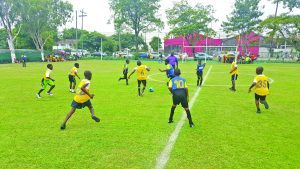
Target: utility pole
{"x":83,"y":14}
{"x":76,"y":34}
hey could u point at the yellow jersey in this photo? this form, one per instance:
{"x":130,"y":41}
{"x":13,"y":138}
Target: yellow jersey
{"x":261,"y":87}
{"x":47,"y":74}
{"x":234,"y":65}
{"x":80,"y":96}
{"x":141,"y":72}
{"x":73,"y":71}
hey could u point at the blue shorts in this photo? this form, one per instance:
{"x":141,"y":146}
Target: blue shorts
{"x":76,"y":105}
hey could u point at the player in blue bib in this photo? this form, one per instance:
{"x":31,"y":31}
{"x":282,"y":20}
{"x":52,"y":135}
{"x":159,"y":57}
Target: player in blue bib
{"x":169,"y":71}
{"x":179,"y":90}
{"x":199,"y":72}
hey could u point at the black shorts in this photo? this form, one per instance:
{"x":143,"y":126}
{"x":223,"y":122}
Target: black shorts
{"x":259,"y":97}
{"x":76,"y":105}
{"x":234,"y":77}
{"x":179,"y":96}
{"x":199,"y":74}
{"x":142,"y":81}
{"x":125,"y":75}
{"x":72,"y":79}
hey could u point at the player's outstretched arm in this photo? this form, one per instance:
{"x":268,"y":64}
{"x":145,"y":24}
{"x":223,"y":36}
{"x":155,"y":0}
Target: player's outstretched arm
{"x":131,"y":74}
{"x":162,"y":70}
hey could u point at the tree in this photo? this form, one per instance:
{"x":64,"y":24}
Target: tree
{"x":3,"y":37}
{"x":92,"y":40}
{"x":155,"y":43}
{"x":138,"y":15}
{"x":190,"y":21}
{"x":128,"y":40}
{"x":285,"y":27}
{"x":10,"y":17}
{"x":41,"y":19}
{"x":243,"y":20}
{"x":291,"y":4}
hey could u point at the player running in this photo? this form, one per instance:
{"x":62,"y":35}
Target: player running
{"x":179,"y":90}
{"x":47,"y":81}
{"x":141,"y":76}
{"x":261,"y":84}
{"x":82,"y":99}
{"x":125,"y":72}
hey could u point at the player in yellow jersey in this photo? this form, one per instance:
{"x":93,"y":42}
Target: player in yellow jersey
{"x":72,"y":79}
{"x":82,"y":99}
{"x":125,"y":71}
{"x":47,"y":81}
{"x":261,"y":85}
{"x":234,"y":75}
{"x":141,"y":76}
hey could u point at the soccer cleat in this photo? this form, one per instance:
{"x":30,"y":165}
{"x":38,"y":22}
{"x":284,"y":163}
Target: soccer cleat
{"x":192,"y":125}
{"x":38,"y":96}
{"x":62,"y":126}
{"x":258,"y":111}
{"x":96,"y":119}
{"x":170,"y":121}
{"x":49,"y":93}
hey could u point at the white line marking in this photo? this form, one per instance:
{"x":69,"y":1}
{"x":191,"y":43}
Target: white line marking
{"x":165,"y":154}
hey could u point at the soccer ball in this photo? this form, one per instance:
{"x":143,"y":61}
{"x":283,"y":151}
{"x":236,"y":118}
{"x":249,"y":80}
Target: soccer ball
{"x":151,"y":89}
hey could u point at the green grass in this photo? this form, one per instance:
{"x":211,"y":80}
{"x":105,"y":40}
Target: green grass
{"x":134,"y":130}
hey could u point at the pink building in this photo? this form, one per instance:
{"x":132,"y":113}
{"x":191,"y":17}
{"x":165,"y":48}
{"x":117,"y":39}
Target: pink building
{"x":214,"y":45}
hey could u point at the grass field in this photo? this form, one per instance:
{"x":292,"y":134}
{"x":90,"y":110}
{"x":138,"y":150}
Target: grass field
{"x":134,"y":130}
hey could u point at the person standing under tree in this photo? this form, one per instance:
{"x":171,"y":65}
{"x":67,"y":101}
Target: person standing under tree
{"x":24,"y":59}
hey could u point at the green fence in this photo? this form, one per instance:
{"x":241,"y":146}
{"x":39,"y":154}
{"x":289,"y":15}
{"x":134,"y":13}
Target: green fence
{"x":32,"y":55}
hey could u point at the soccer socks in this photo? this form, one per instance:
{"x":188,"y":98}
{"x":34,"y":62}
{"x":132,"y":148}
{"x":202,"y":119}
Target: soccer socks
{"x":171,"y":114}
{"x":188,"y":113}
{"x":265,"y":104}
{"x":52,"y":87}
{"x":139,"y":91}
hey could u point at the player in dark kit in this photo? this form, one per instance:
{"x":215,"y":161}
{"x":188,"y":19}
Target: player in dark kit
{"x":199,"y":69}
{"x":169,"y":71}
{"x":125,"y":72}
{"x":179,"y":90}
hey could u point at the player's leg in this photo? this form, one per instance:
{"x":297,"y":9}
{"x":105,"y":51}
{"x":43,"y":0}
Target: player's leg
{"x":71,"y":112}
{"x":92,"y":110}
{"x":74,"y":84}
{"x":144,"y":85}
{"x":70,"y":80}
{"x":264,"y":102}
{"x":43,"y":87}
{"x":257,"y":103}
{"x":172,"y":113}
{"x":185,"y":105}
{"x":198,"y":79}
{"x":126,"y":78}
{"x":139,"y":87}
{"x":201,"y":78}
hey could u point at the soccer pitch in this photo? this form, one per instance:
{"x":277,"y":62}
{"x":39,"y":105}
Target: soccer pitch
{"x":133,"y":131}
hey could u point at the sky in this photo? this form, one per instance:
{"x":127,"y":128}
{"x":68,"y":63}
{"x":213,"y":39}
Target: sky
{"x":99,"y":13}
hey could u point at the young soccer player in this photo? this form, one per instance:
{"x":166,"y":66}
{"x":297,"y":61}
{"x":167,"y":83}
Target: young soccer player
{"x":261,"y":84}
{"x":179,"y":90}
{"x":47,"y":81}
{"x":82,"y":99}
{"x":72,"y":79}
{"x":125,"y":71}
{"x":234,"y":75}
{"x":199,"y":72}
{"x":169,"y":71}
{"x":141,"y":76}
